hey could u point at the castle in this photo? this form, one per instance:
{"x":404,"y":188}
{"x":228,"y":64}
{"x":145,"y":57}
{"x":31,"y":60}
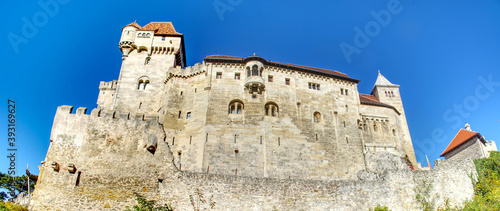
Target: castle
{"x":229,"y":120}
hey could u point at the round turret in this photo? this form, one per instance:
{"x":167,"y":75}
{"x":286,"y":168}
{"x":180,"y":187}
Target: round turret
{"x":127,"y":41}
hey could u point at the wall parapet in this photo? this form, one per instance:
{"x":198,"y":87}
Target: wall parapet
{"x":103,"y":85}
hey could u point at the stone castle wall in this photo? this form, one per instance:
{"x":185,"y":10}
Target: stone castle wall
{"x":287,"y":145}
{"x":112,"y":160}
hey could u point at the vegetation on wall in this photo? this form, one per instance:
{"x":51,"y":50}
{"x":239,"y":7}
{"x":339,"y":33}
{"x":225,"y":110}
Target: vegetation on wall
{"x":487,"y":184}
{"x":147,"y":205}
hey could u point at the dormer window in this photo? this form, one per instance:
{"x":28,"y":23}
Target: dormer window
{"x":163,"y":38}
{"x":148,"y":59}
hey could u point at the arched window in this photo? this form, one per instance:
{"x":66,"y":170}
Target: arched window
{"x":317,"y":117}
{"x":255,"y":70}
{"x":271,"y":109}
{"x":140,"y":85}
{"x":236,"y":107}
{"x":248,"y":72}
{"x":386,"y":94}
{"x":148,"y":59}
{"x":143,"y":83}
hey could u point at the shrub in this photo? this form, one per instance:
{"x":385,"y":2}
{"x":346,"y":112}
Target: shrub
{"x":147,"y":205}
{"x":8,"y":206}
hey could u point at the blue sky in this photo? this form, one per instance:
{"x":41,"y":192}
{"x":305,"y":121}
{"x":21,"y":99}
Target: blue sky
{"x":444,"y":54}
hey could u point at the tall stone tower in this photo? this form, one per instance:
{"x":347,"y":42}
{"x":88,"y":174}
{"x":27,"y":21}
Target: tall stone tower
{"x":388,"y":93}
{"x":148,"y":53}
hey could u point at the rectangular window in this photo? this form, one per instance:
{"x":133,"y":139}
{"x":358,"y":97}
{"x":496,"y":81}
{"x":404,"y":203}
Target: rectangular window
{"x":163,"y":38}
{"x":190,"y":139}
{"x":219,"y":75}
{"x":188,"y":116}
{"x":346,"y":92}
{"x":287,"y":81}
{"x":313,"y":86}
{"x":237,"y":76}
{"x":341,"y":91}
{"x":270,"y":78}
{"x":179,"y":114}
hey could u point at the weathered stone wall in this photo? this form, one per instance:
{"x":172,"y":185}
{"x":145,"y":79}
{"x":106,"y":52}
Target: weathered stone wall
{"x":109,"y":152}
{"x":472,"y":149}
{"x":287,"y":145}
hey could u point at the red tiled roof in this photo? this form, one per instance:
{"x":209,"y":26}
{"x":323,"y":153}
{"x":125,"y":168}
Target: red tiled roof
{"x":161,"y":28}
{"x":316,"y":69}
{"x":313,"y":69}
{"x":372,"y":100}
{"x":461,"y":137}
{"x":134,"y":24}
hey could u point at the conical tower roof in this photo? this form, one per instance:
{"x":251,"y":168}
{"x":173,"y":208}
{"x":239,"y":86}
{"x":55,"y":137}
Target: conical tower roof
{"x":382,"y":81}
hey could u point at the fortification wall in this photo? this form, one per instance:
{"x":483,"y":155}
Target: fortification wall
{"x":114,"y":167}
{"x":109,"y":151}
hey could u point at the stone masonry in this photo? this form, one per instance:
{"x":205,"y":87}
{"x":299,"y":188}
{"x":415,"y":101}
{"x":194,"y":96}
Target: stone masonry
{"x":249,"y":133}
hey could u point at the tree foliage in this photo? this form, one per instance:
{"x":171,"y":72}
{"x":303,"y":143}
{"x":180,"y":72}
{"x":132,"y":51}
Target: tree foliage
{"x":14,"y":185}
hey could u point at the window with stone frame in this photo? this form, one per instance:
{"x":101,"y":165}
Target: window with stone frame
{"x":236,"y":107}
{"x":317,"y":117}
{"x":271,"y":109}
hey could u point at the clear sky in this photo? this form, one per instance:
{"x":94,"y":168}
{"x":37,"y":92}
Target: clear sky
{"x":444,"y":54}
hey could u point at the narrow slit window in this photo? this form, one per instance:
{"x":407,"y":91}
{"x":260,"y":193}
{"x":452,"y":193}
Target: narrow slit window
{"x":180,"y":114}
{"x":190,"y":139}
{"x":173,"y":140}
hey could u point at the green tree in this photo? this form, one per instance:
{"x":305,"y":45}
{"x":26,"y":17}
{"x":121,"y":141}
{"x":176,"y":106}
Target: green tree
{"x":14,"y":185}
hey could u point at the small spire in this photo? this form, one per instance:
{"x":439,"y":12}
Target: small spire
{"x":467,"y":127}
{"x":253,"y":54}
{"x":379,"y":72}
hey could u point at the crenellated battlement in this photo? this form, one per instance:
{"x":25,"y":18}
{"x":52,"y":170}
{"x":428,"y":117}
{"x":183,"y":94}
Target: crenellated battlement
{"x":185,"y":73}
{"x":103,"y":85}
{"x":67,"y":112}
